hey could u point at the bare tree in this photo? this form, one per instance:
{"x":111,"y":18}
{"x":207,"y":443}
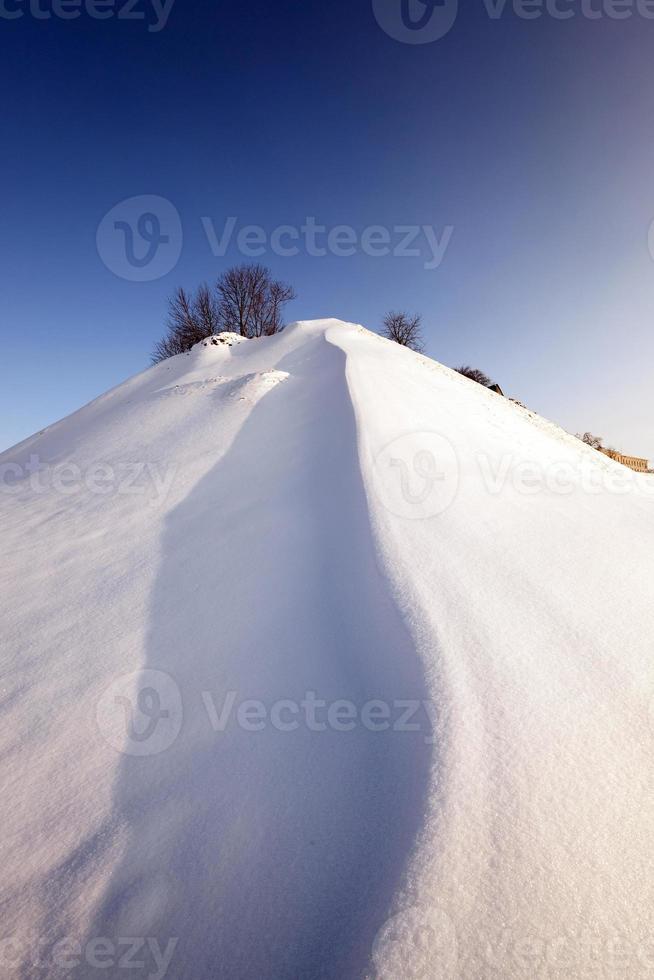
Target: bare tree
{"x":595,"y":442}
{"x":241,"y":291}
{"x":183,"y":328}
{"x":190,"y":320}
{"x":404,"y":330}
{"x":206,"y":311}
{"x":475,"y":375}
{"x":167,"y":347}
{"x":251,"y":301}
{"x":246,"y":301}
{"x":268,"y":319}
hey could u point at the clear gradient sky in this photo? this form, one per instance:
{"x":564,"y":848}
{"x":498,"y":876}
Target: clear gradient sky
{"x":533,"y":139}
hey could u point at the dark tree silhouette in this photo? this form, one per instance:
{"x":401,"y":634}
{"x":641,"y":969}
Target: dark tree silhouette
{"x":404,"y":330}
{"x":251,"y":302}
{"x":206,"y":312}
{"x":246,"y":301}
{"x":475,"y":375}
{"x":268,"y":317}
{"x":190,"y":320}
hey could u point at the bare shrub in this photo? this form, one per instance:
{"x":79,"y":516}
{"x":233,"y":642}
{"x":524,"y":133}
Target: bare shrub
{"x":251,"y":302}
{"x":246,"y":301}
{"x":404,"y":330}
{"x":475,"y":374}
{"x":190,"y":320}
{"x":595,"y":442}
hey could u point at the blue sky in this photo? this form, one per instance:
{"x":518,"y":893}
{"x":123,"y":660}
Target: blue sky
{"x":532,"y":140}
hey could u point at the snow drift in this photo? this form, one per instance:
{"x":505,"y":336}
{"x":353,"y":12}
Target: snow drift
{"x":320,"y":660}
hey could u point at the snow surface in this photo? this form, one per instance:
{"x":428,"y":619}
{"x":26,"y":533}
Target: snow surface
{"x":323,"y":515}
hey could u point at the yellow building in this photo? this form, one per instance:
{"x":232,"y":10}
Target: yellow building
{"x":633,"y":462}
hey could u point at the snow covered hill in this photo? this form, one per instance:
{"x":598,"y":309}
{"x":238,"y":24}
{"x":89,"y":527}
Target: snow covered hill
{"x":320,"y":660}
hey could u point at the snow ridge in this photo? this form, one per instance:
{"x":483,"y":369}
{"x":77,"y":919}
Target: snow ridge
{"x":241,"y":532}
